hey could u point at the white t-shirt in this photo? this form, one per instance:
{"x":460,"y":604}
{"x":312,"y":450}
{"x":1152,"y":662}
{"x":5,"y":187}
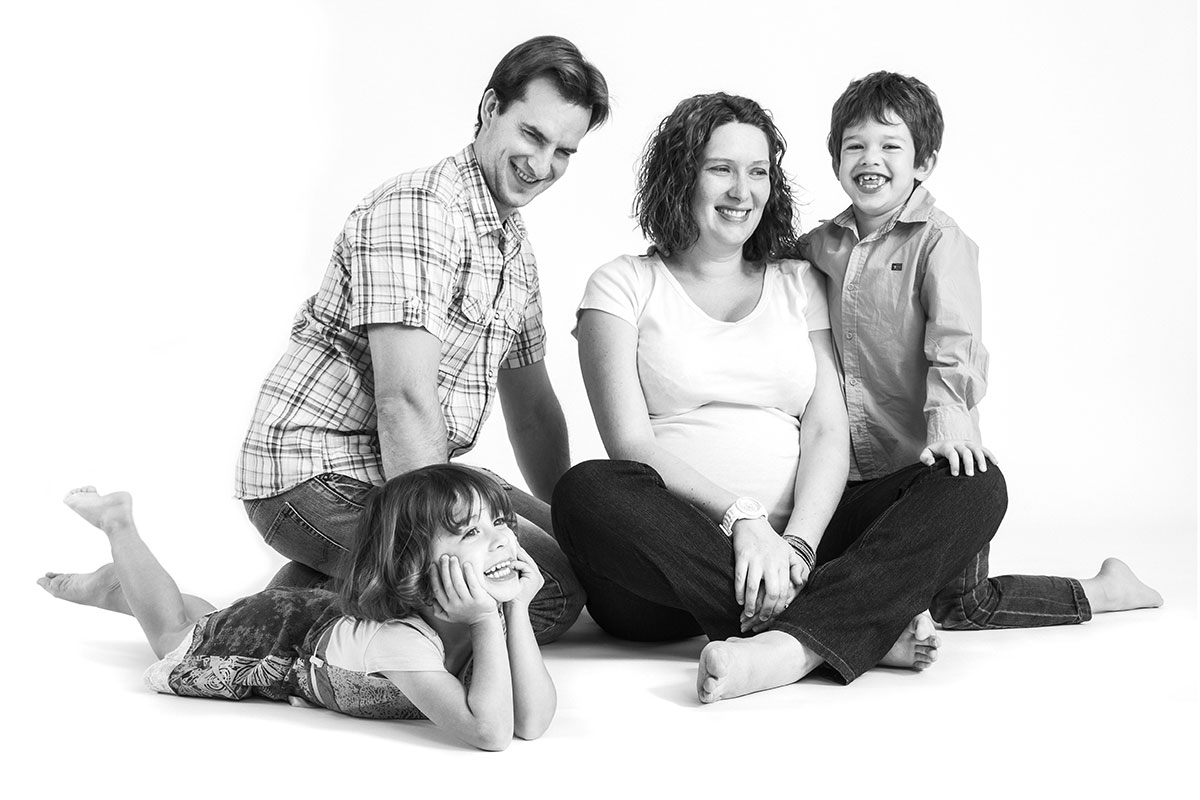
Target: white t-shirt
{"x":724,"y":397}
{"x":399,"y":645}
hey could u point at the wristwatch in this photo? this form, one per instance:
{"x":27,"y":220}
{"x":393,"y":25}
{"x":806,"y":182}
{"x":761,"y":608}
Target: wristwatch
{"x":742,"y":508}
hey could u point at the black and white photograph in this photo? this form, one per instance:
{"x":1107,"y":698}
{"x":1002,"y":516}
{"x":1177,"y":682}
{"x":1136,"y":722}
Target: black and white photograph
{"x":672,"y":399}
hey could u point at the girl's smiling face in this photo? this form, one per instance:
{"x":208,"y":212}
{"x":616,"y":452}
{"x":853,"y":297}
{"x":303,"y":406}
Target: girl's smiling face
{"x":487,"y":543}
{"x":877,"y":169}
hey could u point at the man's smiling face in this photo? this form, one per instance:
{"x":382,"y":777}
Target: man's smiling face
{"x":524,"y":150}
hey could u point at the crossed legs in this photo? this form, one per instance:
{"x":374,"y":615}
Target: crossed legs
{"x":135,"y":582}
{"x":632,"y":542}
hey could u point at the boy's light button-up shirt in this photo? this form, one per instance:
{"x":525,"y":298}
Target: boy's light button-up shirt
{"x":905,"y":310}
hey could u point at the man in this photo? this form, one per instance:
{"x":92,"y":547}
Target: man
{"x":430,"y":306}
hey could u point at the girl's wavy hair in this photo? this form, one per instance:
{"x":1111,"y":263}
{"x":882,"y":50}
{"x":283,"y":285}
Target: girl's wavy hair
{"x":670,"y":165}
{"x":387,"y":576}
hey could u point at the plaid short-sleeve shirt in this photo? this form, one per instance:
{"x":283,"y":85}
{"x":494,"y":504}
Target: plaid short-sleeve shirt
{"x":426,"y":250}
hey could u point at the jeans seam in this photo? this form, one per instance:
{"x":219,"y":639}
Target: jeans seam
{"x":1083,"y":606}
{"x":823,"y":650}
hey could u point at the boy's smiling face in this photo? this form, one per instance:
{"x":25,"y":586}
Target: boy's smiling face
{"x":877,"y":169}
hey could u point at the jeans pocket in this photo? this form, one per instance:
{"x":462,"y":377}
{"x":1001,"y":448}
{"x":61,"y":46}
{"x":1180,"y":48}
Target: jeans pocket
{"x":294,"y":537}
{"x":351,"y":492}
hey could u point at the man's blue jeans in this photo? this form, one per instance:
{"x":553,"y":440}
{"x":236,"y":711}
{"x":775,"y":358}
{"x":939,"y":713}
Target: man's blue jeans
{"x":655,"y":567}
{"x":314,"y":524}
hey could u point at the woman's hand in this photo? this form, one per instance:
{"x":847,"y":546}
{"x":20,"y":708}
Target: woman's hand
{"x":529,"y":577}
{"x":458,"y":592}
{"x":798,"y":573}
{"x":761,"y":571}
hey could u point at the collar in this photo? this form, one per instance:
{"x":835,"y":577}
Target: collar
{"x":480,"y":200}
{"x":915,"y":209}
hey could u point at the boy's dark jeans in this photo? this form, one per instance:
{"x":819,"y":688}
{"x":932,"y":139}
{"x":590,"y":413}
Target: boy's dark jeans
{"x":655,"y":567}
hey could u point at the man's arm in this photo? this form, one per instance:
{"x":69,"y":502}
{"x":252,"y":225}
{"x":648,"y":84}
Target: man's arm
{"x":412,"y":431}
{"x":537,"y":429}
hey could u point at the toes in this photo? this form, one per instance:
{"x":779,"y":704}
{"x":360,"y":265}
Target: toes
{"x":82,"y":489}
{"x":922,"y":626}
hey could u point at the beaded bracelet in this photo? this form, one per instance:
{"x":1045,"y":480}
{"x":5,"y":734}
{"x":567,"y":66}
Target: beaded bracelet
{"x":803,"y":549}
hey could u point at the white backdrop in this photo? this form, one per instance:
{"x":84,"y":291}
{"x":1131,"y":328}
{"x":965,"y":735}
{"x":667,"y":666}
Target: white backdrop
{"x":174,"y":176}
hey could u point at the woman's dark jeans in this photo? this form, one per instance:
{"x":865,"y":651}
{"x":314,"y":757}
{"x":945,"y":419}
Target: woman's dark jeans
{"x":314,"y":525}
{"x":656,"y":568}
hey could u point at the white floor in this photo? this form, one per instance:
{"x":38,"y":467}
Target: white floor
{"x":1108,"y":709}
{"x":173,"y":191}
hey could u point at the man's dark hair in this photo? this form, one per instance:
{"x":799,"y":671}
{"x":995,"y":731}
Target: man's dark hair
{"x":874,"y":96}
{"x":556,"y":58}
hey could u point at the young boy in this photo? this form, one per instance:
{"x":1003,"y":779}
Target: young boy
{"x":904,"y":304}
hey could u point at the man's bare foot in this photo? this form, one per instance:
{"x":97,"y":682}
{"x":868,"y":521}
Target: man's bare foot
{"x":105,"y":511}
{"x":736,"y":666}
{"x":1116,"y":588}
{"x":917,"y":647}
{"x":101,"y":588}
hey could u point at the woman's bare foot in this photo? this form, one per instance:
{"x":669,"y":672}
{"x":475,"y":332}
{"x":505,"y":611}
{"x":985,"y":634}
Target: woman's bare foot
{"x":105,"y":511}
{"x":101,"y":588}
{"x":917,"y":647}
{"x":1116,"y":588}
{"x":736,"y":666}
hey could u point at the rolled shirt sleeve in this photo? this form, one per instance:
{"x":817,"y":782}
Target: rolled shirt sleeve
{"x":402,"y":262}
{"x":958,"y":361}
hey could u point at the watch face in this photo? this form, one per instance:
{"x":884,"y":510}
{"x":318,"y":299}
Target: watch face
{"x":748,"y":505}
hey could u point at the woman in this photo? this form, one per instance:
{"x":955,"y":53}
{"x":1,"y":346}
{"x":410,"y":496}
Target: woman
{"x":710,"y":370}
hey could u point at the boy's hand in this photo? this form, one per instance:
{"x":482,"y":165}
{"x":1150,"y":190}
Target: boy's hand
{"x":529,"y":577}
{"x":459,"y":593}
{"x":957,"y":451}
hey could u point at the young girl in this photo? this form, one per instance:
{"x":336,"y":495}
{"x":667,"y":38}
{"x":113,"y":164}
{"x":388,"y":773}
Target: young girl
{"x":431,"y":621}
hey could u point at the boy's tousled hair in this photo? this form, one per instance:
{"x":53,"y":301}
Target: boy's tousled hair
{"x":879,"y":93}
{"x":556,"y":58}
{"x":386,"y":577}
{"x":671,"y":164}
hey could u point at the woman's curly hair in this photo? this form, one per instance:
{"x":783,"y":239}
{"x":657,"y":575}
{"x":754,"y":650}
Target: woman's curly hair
{"x":670,"y":164}
{"x":386,"y":578}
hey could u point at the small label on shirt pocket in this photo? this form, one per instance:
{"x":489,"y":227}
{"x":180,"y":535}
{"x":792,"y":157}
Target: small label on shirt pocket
{"x":897,"y":266}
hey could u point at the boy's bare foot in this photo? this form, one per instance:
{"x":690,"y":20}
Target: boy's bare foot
{"x":917,"y":647}
{"x":1116,"y":588}
{"x":736,"y":666}
{"x":101,"y":588}
{"x":105,"y":511}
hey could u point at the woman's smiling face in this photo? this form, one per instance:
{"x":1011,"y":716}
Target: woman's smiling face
{"x":732,"y":187}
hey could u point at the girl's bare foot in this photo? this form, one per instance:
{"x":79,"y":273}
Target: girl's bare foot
{"x":1116,"y":588}
{"x":917,"y":647}
{"x":736,"y":666}
{"x":101,"y":588}
{"x":105,"y":511}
